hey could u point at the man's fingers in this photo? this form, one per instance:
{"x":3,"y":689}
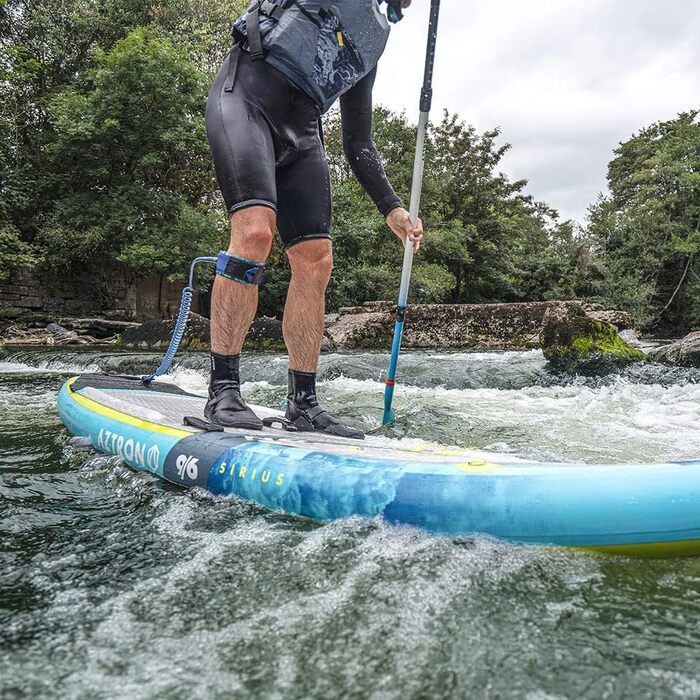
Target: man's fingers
{"x":408,"y":233}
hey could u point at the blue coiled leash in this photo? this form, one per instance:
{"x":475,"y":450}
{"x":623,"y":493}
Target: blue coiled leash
{"x":180,"y":324}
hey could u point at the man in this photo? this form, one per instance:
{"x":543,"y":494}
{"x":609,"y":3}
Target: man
{"x":291,"y":60}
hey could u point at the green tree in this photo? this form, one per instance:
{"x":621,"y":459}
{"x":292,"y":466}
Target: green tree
{"x":129,"y":163}
{"x":45,"y":46}
{"x":486,"y":239}
{"x":493,"y":222}
{"x":15,"y":254}
{"x":647,"y":231}
{"x":51,"y":54}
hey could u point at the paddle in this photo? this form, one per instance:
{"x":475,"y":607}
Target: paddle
{"x":426,"y":98}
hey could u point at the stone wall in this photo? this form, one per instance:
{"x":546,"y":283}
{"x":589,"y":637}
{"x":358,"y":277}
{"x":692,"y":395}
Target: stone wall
{"x":92,"y":294}
{"x":158,"y":298}
{"x":89,"y":295}
{"x":454,"y":326}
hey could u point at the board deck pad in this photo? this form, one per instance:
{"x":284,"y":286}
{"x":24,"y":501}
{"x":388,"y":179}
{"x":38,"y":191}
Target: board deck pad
{"x":170,"y":408}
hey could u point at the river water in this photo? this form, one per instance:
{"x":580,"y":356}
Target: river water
{"x":116,"y":585}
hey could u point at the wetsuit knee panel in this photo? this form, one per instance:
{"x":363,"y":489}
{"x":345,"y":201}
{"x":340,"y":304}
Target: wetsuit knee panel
{"x":239,"y":269}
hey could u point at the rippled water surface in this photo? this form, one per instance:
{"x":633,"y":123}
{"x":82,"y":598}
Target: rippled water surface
{"x":115,"y":585}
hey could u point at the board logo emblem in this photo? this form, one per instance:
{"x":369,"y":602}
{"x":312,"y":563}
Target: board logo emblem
{"x":153,"y":458}
{"x":187,"y":466}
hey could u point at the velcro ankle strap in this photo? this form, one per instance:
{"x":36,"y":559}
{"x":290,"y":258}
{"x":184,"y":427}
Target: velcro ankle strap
{"x":314,"y":412}
{"x":240,"y":269}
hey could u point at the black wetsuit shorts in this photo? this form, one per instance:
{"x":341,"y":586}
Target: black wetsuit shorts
{"x":267,"y":148}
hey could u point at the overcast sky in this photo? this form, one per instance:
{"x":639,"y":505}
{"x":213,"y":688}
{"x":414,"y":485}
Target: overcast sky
{"x":566,"y":80}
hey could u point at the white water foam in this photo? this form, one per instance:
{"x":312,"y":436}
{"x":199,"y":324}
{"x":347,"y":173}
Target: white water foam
{"x":44,"y":368}
{"x":620,"y":421}
{"x":156,"y":622}
{"x":617,"y":422}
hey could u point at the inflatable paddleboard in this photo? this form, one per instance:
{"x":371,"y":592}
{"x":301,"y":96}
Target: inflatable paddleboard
{"x":637,"y":510}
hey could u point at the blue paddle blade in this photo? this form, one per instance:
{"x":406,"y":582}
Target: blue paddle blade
{"x":389,"y":417}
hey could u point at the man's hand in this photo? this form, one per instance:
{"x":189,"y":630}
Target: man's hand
{"x":400,"y":223}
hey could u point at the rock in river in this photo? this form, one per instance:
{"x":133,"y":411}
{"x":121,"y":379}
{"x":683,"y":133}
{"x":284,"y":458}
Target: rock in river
{"x":575,"y":342}
{"x":479,"y":327}
{"x":682,"y":353}
{"x":155,"y":335}
{"x":265,"y":334}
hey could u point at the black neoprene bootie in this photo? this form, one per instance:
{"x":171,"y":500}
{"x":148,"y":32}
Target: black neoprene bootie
{"x":226,"y":407}
{"x":304,"y":412}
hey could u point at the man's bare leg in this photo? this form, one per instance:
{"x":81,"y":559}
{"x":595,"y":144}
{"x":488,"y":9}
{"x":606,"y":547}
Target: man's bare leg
{"x":312,"y":263}
{"x":232,"y":311}
{"x":233,"y":305}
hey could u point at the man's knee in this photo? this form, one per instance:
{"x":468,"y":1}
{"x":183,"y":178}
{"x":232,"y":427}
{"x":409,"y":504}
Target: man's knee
{"x":253,"y":242}
{"x":252,"y":233}
{"x":323,"y":267}
{"x":313,"y":260}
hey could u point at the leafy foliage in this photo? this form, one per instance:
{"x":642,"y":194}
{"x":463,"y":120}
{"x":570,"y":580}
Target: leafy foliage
{"x":103,"y":154}
{"x":104,"y":162}
{"x":131,"y":173}
{"x":647,"y":231}
{"x":485,"y":238}
{"x":15,"y":254}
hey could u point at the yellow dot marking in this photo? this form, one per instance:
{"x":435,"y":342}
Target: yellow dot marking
{"x":477,"y":466}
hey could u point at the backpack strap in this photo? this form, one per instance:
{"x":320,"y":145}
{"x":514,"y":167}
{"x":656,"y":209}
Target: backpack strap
{"x":252,"y":28}
{"x":232,"y":69}
{"x":252,"y":24}
{"x":272,"y":9}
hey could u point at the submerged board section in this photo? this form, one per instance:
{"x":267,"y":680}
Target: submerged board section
{"x":625,"y":509}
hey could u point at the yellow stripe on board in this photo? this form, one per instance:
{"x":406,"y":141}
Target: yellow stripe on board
{"x":124,"y":418}
{"x":650,"y":550}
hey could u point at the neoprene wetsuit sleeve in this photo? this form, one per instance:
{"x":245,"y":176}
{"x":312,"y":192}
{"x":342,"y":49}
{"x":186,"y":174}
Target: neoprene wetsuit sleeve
{"x":360,"y":150}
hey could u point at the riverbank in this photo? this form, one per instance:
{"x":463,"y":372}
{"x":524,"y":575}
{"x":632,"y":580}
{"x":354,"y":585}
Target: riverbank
{"x":478,"y":327}
{"x":475,"y":327}
{"x":49,"y":330}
